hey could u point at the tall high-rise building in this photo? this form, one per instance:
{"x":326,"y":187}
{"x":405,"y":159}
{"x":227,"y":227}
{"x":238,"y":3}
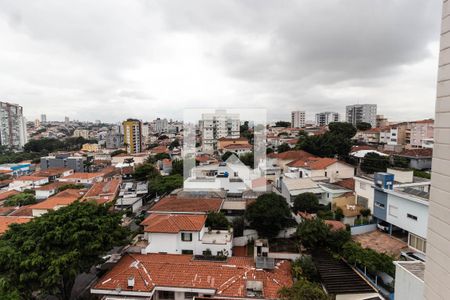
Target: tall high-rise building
{"x":360,"y":113}
{"x":43,"y":118}
{"x":161,"y":125}
{"x":66,"y":120}
{"x":132,"y":129}
{"x":437,"y":266}
{"x":298,"y":119}
{"x":13,"y":128}
{"x":325,"y":118}
{"x":219,"y":124}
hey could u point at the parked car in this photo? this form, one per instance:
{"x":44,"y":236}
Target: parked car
{"x":383,"y":226}
{"x":412,"y":256}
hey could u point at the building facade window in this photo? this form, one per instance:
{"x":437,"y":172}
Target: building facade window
{"x":417,"y":242}
{"x":189,"y":295}
{"x":163,"y":295}
{"x":379,"y":204}
{"x":413,"y":217}
{"x":187,"y":251}
{"x":186,"y":237}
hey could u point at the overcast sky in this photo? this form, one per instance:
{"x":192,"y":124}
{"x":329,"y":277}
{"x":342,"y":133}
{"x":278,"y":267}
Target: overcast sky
{"x":110,"y":60}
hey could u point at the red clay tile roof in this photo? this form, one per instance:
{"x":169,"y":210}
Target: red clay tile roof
{"x":417,"y":153}
{"x":335,"y":225}
{"x":313,"y":163}
{"x":228,"y":279}
{"x":5,"y":221}
{"x":4,"y":211}
{"x":159,"y":149}
{"x":51,"y":172}
{"x":65,"y":197}
{"x":242,"y":139}
{"x":23,"y":211}
{"x":51,"y":186}
{"x":348,"y":183}
{"x":103,"y":192}
{"x":7,"y":194}
{"x":291,"y":155}
{"x":238,"y":146}
{"x":30,"y":178}
{"x":175,"y":204}
{"x":168,"y":223}
{"x":83,"y":175}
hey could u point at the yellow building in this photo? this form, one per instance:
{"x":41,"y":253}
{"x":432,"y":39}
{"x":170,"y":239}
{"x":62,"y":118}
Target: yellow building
{"x":132,"y":130}
{"x":90,"y":147}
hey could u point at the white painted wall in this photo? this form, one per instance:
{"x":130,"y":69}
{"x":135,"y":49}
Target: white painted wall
{"x":363,"y":187}
{"x":399,"y":207}
{"x":407,"y":286}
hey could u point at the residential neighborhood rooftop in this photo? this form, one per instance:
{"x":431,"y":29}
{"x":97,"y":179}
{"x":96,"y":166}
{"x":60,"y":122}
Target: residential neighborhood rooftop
{"x":181,"y":204}
{"x":228,"y":279}
{"x":173,"y":223}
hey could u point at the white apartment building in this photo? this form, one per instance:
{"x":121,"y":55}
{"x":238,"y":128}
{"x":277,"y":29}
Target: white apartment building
{"x":84,"y":133}
{"x":325,"y":118}
{"x":12,"y":126}
{"x":161,"y":125}
{"x":359,"y":113}
{"x":219,"y":124}
{"x":298,"y":119}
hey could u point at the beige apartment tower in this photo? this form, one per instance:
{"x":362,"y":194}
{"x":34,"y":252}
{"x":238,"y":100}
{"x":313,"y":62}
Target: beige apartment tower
{"x":437,"y":267}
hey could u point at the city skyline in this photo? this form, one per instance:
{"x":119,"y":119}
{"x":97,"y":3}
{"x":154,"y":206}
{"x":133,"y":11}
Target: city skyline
{"x":91,"y":64}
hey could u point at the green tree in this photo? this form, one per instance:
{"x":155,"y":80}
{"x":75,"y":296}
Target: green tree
{"x":343,"y":129}
{"x":303,"y":290}
{"x":160,"y":156}
{"x":328,"y":144}
{"x":268,"y":215}
{"x":247,"y":159}
{"x":337,"y":238}
{"x":304,"y":267}
{"x":164,"y":184}
{"x":338,"y":214}
{"x":313,"y":234}
{"x":45,"y":255}
{"x":70,"y":186}
{"x":238,"y":226}
{"x":269,"y":150}
{"x":373,"y":162}
{"x":282,"y":124}
{"x":20,"y":199}
{"x":363,"y":126}
{"x":177,"y":167}
{"x":117,"y":152}
{"x":145,"y":171}
{"x":400,"y":162}
{"x":306,"y":202}
{"x":174,"y":144}
{"x":216,"y":220}
{"x":283,"y":148}
{"x":226,"y":155}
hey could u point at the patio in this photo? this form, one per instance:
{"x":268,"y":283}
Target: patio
{"x":381,"y":242}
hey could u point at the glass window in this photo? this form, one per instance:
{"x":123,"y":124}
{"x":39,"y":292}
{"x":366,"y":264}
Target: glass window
{"x":187,"y":252}
{"x":189,"y":295}
{"x":166,"y":295}
{"x":186,"y":237}
{"x":412,"y":217}
{"x":379,"y":204}
{"x":417,"y":242}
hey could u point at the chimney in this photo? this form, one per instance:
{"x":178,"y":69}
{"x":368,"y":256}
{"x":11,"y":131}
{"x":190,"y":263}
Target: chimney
{"x":131,"y":282}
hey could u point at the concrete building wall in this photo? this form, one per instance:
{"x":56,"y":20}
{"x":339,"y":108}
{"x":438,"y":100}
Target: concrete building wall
{"x":407,"y":285}
{"x":437,"y":270}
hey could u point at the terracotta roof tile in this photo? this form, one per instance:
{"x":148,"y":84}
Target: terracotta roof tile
{"x":5,"y":221}
{"x":83,"y":175}
{"x":23,"y":211}
{"x":291,"y":155}
{"x":103,"y":192}
{"x":228,"y":279}
{"x":7,"y":194}
{"x":65,"y":197}
{"x":313,"y":163}
{"x":348,"y":183}
{"x":178,"y":204}
{"x":173,"y":223}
